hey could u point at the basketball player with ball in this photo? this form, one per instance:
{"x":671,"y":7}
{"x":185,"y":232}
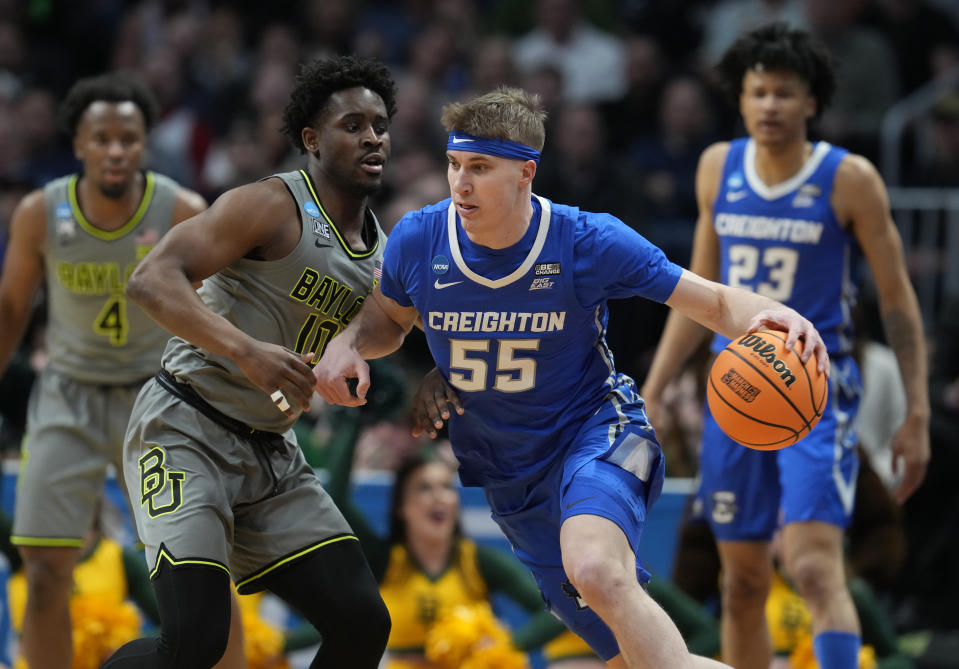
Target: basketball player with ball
{"x":780,"y":215}
{"x":511,"y":291}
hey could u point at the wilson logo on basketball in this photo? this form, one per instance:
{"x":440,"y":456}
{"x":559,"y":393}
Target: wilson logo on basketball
{"x":747,"y":391}
{"x":767,"y":352}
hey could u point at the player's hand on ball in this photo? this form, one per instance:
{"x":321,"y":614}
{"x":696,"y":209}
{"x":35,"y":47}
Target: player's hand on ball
{"x":796,"y":327}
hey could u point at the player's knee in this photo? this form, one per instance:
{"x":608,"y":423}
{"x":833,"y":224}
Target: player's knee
{"x":376,"y":619}
{"x":48,"y":576}
{"x":597,"y":576}
{"x":816,"y":576}
{"x":193,"y":642}
{"x":363,"y":615}
{"x":744,"y":589}
{"x":357,"y":629}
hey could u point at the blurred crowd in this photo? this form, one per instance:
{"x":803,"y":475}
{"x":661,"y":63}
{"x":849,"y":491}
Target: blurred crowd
{"x":627,"y":84}
{"x":631,"y":102}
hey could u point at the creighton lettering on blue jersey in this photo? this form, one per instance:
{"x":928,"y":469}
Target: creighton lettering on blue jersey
{"x":785,"y":242}
{"x":520,"y":332}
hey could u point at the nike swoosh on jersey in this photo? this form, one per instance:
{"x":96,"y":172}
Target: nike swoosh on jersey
{"x":572,"y":504}
{"x":735,"y":196}
{"x":460,"y":140}
{"x":440,"y":286}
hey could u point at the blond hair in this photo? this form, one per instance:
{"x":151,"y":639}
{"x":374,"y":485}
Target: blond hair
{"x":506,"y":113}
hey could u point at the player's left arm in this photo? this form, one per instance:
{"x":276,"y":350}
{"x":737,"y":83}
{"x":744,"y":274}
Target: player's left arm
{"x":861,"y":202}
{"x":187,"y":204}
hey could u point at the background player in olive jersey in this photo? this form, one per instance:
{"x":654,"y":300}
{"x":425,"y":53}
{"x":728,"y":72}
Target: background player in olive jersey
{"x":512,"y":290}
{"x":224,"y":490}
{"x":82,"y":234}
{"x":781,"y":215}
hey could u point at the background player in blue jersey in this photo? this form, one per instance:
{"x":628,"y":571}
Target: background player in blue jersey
{"x":512,"y":292}
{"x":779,"y":215}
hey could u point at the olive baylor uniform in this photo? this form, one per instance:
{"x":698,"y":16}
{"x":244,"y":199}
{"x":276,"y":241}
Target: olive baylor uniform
{"x":101,"y":349}
{"x":208,"y":488}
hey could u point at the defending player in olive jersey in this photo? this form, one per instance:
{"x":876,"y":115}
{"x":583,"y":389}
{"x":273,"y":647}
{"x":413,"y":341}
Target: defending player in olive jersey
{"x":83,"y":234}
{"x":310,"y":295}
{"x":224,"y":490}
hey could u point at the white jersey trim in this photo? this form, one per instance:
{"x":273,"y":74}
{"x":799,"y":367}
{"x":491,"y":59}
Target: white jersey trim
{"x":519,"y":272}
{"x":789,"y":185}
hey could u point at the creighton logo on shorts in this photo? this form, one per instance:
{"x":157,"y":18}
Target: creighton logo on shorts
{"x":724,"y":506}
{"x":570,"y":591}
{"x":153,"y":480}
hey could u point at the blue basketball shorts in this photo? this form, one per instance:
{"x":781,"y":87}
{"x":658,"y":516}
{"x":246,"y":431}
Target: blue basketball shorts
{"x":747,"y":494}
{"x":614,"y":468}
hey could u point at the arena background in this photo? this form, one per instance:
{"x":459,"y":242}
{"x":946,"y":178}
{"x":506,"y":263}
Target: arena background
{"x":632,"y":103}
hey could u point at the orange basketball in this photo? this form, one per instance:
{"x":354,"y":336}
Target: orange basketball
{"x":762,"y":395}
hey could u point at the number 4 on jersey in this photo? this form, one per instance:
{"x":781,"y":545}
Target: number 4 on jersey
{"x":112,"y":320}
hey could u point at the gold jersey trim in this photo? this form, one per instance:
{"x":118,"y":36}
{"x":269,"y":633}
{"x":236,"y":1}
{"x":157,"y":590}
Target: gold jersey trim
{"x":46,"y":542}
{"x":247,"y":581}
{"x":346,"y":247}
{"x":164,"y":555}
{"x":110,"y":235}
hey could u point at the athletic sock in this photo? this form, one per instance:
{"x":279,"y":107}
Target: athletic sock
{"x":837,"y":650}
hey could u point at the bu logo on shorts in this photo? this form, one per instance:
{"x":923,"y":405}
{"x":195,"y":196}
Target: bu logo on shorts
{"x":153,"y":480}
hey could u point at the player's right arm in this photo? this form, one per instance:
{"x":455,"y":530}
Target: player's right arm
{"x":378,"y":329}
{"x":256,"y":220}
{"x":681,"y":335}
{"x":22,"y":272}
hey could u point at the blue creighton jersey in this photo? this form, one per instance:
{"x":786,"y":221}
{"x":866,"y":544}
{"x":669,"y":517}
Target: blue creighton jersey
{"x":785,"y":242}
{"x":520,"y":332}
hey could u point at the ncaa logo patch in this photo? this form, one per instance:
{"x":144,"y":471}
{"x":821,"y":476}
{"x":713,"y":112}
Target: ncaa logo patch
{"x":440,"y":264}
{"x":735,"y":181}
{"x":311,"y":209}
{"x":66,"y":227}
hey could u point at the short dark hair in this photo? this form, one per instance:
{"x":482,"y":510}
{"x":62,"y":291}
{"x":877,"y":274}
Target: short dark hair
{"x":110,"y":87}
{"x":323,"y":77}
{"x":779,"y":48}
